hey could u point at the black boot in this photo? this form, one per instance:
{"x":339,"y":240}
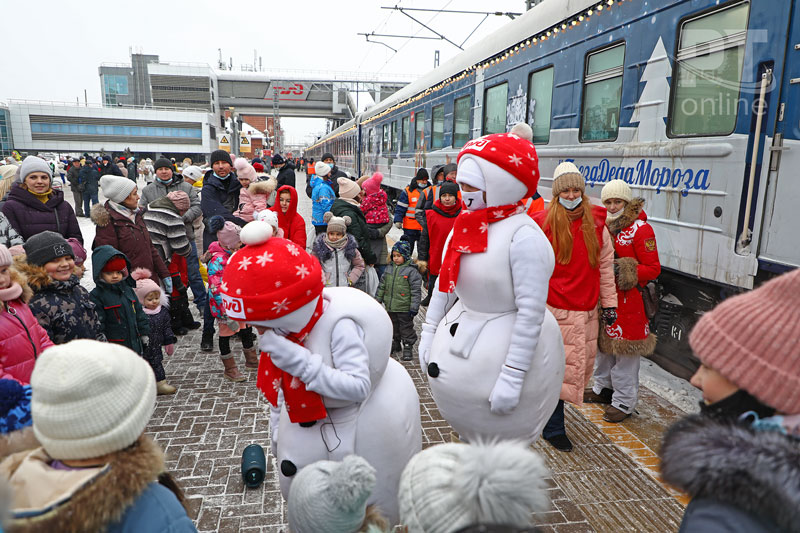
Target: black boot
{"x":408,"y":354}
{"x":187,"y":320}
{"x":207,"y":342}
{"x":395,"y":346}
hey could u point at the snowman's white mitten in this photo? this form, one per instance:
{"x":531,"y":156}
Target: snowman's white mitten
{"x":506,"y":392}
{"x":287,"y":355}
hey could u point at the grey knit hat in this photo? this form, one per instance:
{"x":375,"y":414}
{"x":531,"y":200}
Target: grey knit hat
{"x":32,"y":164}
{"x":46,"y":246}
{"x":336,"y":223}
{"x":331,"y":496}
{"x":116,"y":188}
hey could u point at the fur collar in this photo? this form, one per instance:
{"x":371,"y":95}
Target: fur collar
{"x":758,"y":472}
{"x":19,"y":277}
{"x":628,"y":216}
{"x":100,"y":502}
{"x":324,"y":252}
{"x":37,"y":278}
{"x":263,"y":187}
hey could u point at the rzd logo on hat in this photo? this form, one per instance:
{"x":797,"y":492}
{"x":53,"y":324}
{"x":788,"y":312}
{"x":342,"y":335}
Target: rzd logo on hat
{"x":234,"y":307}
{"x":477,"y":144}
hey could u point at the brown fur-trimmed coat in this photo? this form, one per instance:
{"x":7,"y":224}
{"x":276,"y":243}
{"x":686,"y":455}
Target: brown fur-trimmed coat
{"x":635,"y":264}
{"x":130,"y":492}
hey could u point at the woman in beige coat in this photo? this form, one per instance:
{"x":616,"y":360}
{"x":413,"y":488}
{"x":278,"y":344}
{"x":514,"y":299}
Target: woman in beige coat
{"x":583,"y":277}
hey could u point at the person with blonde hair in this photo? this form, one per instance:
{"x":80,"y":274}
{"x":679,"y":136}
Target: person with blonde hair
{"x":583,"y":276}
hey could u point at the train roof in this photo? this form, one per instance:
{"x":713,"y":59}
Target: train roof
{"x":535,"y":20}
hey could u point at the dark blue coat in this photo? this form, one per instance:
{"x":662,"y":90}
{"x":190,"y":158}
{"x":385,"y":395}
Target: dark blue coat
{"x":90,"y":178}
{"x":219,"y":197}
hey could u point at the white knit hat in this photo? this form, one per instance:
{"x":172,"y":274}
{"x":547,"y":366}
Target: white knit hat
{"x":331,"y":496}
{"x":322,"y":169}
{"x":566,"y":176}
{"x":90,"y":398}
{"x":116,"y":188}
{"x":616,"y":189}
{"x":451,"y":486}
{"x":192,"y":172}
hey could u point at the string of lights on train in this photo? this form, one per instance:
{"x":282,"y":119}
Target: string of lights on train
{"x":542,"y":36}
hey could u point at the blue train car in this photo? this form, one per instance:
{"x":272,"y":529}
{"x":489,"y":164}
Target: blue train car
{"x":693,"y":102}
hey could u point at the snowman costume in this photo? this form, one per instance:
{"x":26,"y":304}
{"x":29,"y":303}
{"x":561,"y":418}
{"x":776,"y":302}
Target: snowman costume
{"x":494,"y":357}
{"x":325,"y":365}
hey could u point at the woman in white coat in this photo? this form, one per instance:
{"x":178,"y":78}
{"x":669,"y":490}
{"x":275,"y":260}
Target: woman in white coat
{"x":495,"y":358}
{"x":325,"y":362}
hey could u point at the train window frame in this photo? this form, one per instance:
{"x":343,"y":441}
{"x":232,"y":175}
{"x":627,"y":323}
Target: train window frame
{"x":394,"y":138}
{"x":434,"y":144}
{"x":551,"y":68}
{"x":601,"y":76}
{"x":486,"y":108}
{"x":468,"y":99}
{"x":419,"y":130}
{"x":405,"y":134}
{"x":385,"y":142}
{"x":725,"y":43}
{"x":369,"y":140}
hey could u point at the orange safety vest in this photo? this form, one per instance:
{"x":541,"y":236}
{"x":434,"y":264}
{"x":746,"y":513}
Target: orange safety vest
{"x":410,"y":221}
{"x":310,"y":169}
{"x":534,"y":204}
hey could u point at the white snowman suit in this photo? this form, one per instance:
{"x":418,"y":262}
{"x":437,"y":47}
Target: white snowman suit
{"x":371,"y":402}
{"x":495,"y":357}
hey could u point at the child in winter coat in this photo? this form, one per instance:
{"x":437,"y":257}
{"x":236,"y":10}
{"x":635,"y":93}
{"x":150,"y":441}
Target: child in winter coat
{"x":59,"y":303}
{"x":121,"y":316}
{"x":439,"y":221}
{"x":374,"y":204}
{"x":220,"y":251}
{"x":289,"y":220}
{"x":338,"y":254}
{"x":155,"y":305}
{"x":80,"y":256}
{"x":622,"y":344}
{"x":322,"y":196}
{"x":254,"y":195}
{"x":400,"y":293}
{"x":22,"y":339}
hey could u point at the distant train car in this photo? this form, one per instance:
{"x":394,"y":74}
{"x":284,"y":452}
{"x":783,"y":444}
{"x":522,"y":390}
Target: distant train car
{"x":694,"y":103}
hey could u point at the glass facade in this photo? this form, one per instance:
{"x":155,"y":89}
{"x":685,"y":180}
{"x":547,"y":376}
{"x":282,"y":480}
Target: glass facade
{"x":6,"y":145}
{"x":112,"y":86}
{"x":122,"y":131}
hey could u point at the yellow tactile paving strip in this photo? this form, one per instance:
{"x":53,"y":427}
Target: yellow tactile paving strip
{"x":629,"y":443}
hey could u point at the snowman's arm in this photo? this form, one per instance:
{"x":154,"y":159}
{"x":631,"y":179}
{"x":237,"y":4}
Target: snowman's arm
{"x":441,"y":302}
{"x":349,"y":380}
{"x":532,"y":263}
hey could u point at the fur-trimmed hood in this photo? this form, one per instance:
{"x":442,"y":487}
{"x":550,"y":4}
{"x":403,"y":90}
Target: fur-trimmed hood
{"x":22,"y":280}
{"x":324,"y":252}
{"x":756,"y":472}
{"x":99,"y":215}
{"x":632,"y":211}
{"x":36,"y":276}
{"x":89,"y":504}
{"x":263,"y":187}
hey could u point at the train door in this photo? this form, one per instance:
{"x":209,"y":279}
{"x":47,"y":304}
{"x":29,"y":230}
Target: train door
{"x":778,"y":242}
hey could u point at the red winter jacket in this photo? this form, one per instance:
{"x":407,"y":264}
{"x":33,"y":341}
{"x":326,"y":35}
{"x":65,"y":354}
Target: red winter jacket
{"x":440,"y":222}
{"x":292,"y":224}
{"x":22,"y":340}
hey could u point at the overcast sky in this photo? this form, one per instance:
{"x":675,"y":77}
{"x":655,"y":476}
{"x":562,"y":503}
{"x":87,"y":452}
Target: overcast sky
{"x":52,"y":48}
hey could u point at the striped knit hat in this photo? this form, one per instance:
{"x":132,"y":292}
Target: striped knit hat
{"x":565,"y":176}
{"x":753,"y":340}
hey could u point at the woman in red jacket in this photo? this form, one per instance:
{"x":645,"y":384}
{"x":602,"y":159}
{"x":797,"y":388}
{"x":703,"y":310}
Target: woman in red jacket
{"x":584,"y":275}
{"x":616,"y":377}
{"x":289,"y":220}
{"x":439,"y":222}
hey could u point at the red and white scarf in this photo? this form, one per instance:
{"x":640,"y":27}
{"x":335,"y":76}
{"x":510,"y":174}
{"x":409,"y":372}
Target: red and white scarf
{"x":470,"y":236}
{"x":301,"y":404}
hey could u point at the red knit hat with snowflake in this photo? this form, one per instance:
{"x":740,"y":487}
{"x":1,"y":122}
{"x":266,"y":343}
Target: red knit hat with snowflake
{"x":515,"y":155}
{"x":269,"y":278}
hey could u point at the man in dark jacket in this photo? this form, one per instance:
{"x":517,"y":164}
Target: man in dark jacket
{"x":89,"y":177}
{"x":335,"y":174}
{"x":285,"y":171}
{"x":133,"y":170}
{"x":219,"y":196}
{"x":109,"y":167}
{"x":73,"y":175}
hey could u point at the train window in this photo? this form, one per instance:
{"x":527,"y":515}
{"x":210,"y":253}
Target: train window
{"x":394,"y":146}
{"x":385,"y":149}
{"x":406,"y":134}
{"x":708,"y":71}
{"x":602,"y":94}
{"x":419,"y":128}
{"x":370,"y":133}
{"x":494,"y":109}
{"x":540,"y":100}
{"x":437,"y":127}
{"x":461,"y":121}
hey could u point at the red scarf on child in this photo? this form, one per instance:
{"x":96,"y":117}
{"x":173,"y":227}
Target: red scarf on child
{"x":470,"y":236}
{"x":301,"y":404}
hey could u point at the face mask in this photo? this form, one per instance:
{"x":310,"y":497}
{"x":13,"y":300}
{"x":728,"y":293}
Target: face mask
{"x":423,"y":186}
{"x":220,"y":177}
{"x":613,"y":216}
{"x":164,"y":181}
{"x":473,"y":200}
{"x":569,"y":205}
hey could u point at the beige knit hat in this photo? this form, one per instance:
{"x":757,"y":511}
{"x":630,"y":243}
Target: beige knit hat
{"x":565,"y":176}
{"x":616,"y":189}
{"x":348,"y":188}
{"x":336,"y":223}
{"x":90,"y":398}
{"x":753,"y":340}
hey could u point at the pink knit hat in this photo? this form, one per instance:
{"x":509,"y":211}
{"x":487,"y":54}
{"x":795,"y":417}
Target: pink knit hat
{"x":753,"y":340}
{"x":78,"y":250}
{"x":244,"y":169}
{"x":180,"y":200}
{"x":144,"y":285}
{"x":228,"y":236}
{"x":373,"y":185}
{"x":5,"y":256}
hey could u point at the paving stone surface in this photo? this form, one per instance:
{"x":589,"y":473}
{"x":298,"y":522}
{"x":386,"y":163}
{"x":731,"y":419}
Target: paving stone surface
{"x":205,"y":426}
